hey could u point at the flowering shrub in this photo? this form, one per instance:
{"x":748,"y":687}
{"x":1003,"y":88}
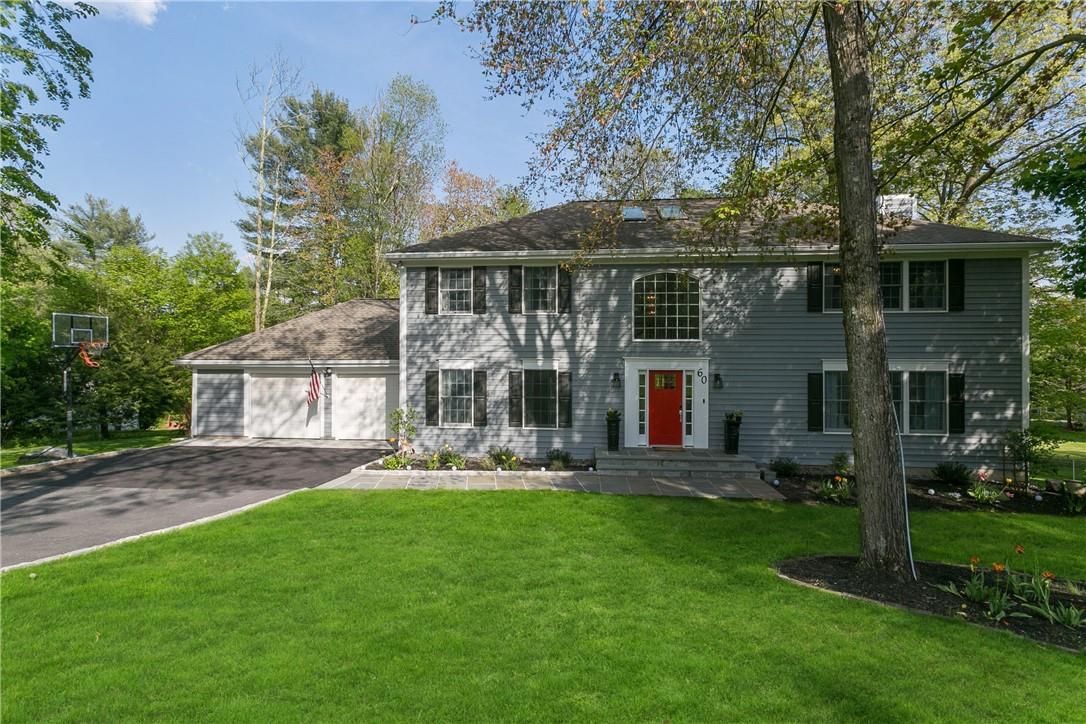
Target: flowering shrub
{"x":503,"y":457}
{"x":837,"y":489}
{"x":449,"y":458}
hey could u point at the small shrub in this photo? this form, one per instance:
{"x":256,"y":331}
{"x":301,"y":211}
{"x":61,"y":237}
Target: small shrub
{"x":403,"y":421}
{"x":838,"y":489}
{"x":503,"y":457}
{"x":487,"y":464}
{"x":840,"y":465}
{"x":1031,"y":448}
{"x":1072,"y":503}
{"x":556,"y":465}
{"x":560,"y":455}
{"x":954,"y":474}
{"x":433,"y":462}
{"x":984,"y":493}
{"x":396,"y":462}
{"x":449,"y":458}
{"x":784,"y":467}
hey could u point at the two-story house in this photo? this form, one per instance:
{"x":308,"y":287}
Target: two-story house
{"x":501,"y":341}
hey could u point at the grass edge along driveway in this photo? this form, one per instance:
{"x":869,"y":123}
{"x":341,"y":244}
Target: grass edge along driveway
{"x":343,"y":605}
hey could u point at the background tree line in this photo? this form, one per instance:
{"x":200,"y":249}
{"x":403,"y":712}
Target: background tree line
{"x":333,"y":189}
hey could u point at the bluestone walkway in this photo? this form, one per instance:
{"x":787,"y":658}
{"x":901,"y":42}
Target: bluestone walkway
{"x":581,"y":482}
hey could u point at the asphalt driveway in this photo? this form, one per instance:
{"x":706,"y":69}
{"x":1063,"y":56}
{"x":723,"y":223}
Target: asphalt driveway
{"x":69,"y":507}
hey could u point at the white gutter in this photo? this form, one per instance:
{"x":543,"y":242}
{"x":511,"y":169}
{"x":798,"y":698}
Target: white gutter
{"x":285,"y":363}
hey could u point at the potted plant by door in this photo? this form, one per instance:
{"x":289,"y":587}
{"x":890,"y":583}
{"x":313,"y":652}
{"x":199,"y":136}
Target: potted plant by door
{"x":614,"y":417}
{"x":732,"y":421}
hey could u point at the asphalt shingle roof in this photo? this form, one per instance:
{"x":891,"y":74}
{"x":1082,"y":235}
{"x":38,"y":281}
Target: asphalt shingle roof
{"x":559,"y":228}
{"x":361,"y":329}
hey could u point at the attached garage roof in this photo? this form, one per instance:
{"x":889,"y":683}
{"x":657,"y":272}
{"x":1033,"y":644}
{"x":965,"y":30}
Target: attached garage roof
{"x":358,"y":330}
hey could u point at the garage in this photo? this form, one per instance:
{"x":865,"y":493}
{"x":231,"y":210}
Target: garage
{"x":279,"y":407}
{"x":362,"y":404}
{"x":257,"y":385}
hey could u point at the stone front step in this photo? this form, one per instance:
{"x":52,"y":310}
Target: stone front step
{"x":705,"y":464}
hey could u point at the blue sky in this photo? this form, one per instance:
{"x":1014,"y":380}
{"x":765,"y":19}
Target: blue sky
{"x":158,"y":133}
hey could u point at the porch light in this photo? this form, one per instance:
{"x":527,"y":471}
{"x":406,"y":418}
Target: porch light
{"x":616,"y":381}
{"x":718,"y":381}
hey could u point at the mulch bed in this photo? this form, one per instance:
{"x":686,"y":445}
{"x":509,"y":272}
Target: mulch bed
{"x":802,"y":488}
{"x":418,"y":462}
{"x":842,"y":575}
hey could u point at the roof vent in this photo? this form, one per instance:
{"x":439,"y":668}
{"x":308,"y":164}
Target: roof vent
{"x":897,"y":206}
{"x":633,"y":213}
{"x":671,"y":212}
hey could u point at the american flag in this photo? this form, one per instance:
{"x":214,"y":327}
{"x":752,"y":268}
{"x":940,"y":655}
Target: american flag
{"x":313,"y":393}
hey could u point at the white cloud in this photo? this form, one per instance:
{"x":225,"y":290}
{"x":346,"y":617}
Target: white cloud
{"x":141,"y":12}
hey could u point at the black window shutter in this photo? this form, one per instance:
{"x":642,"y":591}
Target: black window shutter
{"x":565,"y":290}
{"x":431,"y":290}
{"x":955,"y":284}
{"x":433,"y":390}
{"x":814,"y":402}
{"x":814,"y":287}
{"x":516,"y":401}
{"x":956,"y":407}
{"x":515,"y":289}
{"x":478,"y":289}
{"x":478,"y":411}
{"x":565,"y":399}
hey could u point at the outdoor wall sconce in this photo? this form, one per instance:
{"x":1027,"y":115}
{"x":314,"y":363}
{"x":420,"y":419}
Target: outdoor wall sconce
{"x":328,"y":370}
{"x":616,"y":381}
{"x":718,"y":381}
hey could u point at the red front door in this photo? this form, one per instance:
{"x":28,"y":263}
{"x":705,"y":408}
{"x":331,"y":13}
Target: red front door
{"x":666,"y":407}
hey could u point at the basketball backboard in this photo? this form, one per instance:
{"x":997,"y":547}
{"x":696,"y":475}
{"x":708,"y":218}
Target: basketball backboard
{"x":72,"y":330}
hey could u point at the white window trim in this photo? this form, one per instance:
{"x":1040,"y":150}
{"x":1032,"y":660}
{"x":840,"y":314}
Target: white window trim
{"x":524,"y":291}
{"x":441,"y":289}
{"x":904,"y":366}
{"x":905,"y":308}
{"x":443,"y":367}
{"x":633,"y":307}
{"x":539,"y":365}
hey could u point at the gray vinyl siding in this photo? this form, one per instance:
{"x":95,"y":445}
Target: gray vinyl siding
{"x":220,"y":402}
{"x":759,"y":337}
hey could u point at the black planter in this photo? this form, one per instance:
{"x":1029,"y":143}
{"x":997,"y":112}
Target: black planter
{"x":612,"y":434}
{"x":731,"y":436}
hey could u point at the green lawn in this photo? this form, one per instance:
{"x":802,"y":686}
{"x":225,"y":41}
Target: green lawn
{"x":1073,"y":447}
{"x":87,"y":443}
{"x":343,"y":605}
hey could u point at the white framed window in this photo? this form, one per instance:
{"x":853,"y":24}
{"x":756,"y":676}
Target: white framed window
{"x":925,"y":383}
{"x":540,"y":289}
{"x":927,"y":402}
{"x":539,"y":394}
{"x":890,"y":277}
{"x":455,"y":290}
{"x":927,"y":286}
{"x":666,"y":306}
{"x":457,"y":394}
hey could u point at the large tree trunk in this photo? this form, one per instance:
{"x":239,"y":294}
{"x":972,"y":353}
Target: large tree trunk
{"x":875,"y":444}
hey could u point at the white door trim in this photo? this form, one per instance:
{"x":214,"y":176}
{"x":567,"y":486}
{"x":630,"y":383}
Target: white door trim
{"x":689,"y":365}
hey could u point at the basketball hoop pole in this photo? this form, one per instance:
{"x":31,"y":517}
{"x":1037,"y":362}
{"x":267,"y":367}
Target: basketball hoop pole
{"x":68,"y":400}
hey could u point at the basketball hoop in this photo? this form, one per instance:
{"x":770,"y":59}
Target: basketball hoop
{"x":89,"y":350}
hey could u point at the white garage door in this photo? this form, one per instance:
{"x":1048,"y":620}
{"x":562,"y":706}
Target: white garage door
{"x":360,"y":406}
{"x":278,"y":407}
